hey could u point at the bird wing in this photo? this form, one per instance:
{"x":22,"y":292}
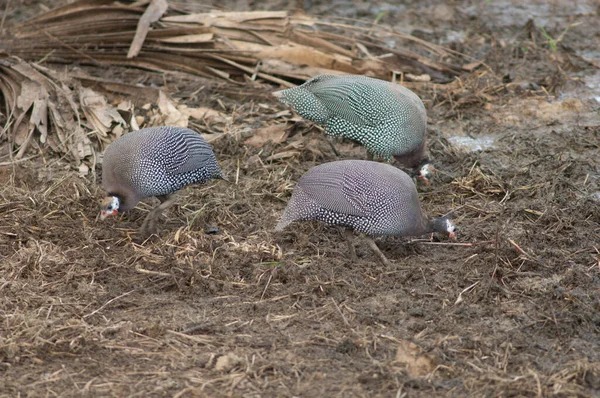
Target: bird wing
{"x":403,"y":94}
{"x":327,"y":188}
{"x":342,"y":98}
{"x":197,"y":156}
{"x":189,"y":152}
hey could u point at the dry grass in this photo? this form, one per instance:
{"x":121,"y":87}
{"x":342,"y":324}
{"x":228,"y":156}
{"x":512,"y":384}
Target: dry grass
{"x":245,"y":312}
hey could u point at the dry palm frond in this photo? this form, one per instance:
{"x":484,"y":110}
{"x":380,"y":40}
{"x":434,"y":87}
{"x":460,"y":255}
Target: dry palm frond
{"x":276,"y":46}
{"x":42,"y":95}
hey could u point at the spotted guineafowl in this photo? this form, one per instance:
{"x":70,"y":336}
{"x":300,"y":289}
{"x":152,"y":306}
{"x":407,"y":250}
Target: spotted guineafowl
{"x":368,"y":197}
{"x":155,"y":161}
{"x":387,"y":118}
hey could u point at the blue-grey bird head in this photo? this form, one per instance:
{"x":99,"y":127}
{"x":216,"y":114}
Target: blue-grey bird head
{"x":444,"y":226}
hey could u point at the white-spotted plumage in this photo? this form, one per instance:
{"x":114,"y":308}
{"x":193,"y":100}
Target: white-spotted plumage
{"x":369,"y":197}
{"x":387,"y":118}
{"x":155,"y":161}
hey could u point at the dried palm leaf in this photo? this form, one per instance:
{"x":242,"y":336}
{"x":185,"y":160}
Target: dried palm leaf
{"x":276,"y":46}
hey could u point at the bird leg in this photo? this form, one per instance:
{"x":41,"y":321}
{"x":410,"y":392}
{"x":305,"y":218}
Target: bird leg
{"x":350,"y":240}
{"x":333,"y":148}
{"x":149,"y":223}
{"x":378,"y":252}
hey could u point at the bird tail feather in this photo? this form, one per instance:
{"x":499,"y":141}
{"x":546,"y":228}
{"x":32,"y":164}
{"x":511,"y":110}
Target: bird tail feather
{"x":279,"y":94}
{"x":286,"y":219}
{"x":282,"y":224}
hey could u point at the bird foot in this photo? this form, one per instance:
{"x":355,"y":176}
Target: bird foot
{"x":380,"y":256}
{"x":350,"y":242}
{"x":149,"y":225}
{"x":333,"y":148}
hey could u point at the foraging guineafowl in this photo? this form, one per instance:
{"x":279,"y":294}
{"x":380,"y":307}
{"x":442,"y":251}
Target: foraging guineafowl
{"x":368,"y":197}
{"x":387,"y":118}
{"x":155,"y":161}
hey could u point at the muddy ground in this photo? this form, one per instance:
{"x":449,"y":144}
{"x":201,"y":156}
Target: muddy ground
{"x":90,"y":309}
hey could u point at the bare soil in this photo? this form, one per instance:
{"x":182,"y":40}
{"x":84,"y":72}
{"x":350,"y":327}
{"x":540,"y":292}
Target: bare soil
{"x":513,"y":309}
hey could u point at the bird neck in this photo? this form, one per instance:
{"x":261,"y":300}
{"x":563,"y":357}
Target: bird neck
{"x":424,"y":161}
{"x":427,"y":226}
{"x":119,"y":197}
{"x":414,"y":158}
{"x":437,"y":224}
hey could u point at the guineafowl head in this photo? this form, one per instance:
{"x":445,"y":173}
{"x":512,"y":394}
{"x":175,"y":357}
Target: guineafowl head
{"x":109,"y":206}
{"x":445,"y":226}
{"x":426,"y":171}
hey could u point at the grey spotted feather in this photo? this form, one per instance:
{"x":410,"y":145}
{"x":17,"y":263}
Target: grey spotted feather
{"x":387,"y":118}
{"x":364,"y":196}
{"x":156,"y":161}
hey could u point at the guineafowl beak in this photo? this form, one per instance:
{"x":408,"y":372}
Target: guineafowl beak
{"x":424,"y":179}
{"x":104,"y":214}
{"x":109,"y":207}
{"x":425,"y":172}
{"x":107,"y":213}
{"x":451,"y":229}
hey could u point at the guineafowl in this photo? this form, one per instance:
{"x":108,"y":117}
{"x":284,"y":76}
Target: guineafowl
{"x":387,"y":118}
{"x":368,"y":197}
{"x":155,"y":161}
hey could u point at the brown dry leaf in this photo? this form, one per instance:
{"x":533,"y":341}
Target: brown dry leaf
{"x":311,"y":145}
{"x":152,"y":14}
{"x":417,"y":365}
{"x":227,"y":363}
{"x":69,"y":136}
{"x":470,"y":67}
{"x":420,"y":78}
{"x":283,"y":155}
{"x":98,"y":112}
{"x":202,"y":113}
{"x":171,"y":116}
{"x":293,"y":71}
{"x":221,"y":17}
{"x":33,"y":91}
{"x":34,"y":96}
{"x":319,"y":43}
{"x":276,"y":133}
{"x":225,"y":45}
{"x":212,"y":137}
{"x":127,"y":110}
{"x":296,"y":54}
{"x":199,"y":38}
{"x":141,"y":93}
{"x":22,"y":133}
{"x":64,"y":115}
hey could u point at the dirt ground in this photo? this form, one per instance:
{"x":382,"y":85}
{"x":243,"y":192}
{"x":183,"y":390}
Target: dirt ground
{"x":510,"y":309}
